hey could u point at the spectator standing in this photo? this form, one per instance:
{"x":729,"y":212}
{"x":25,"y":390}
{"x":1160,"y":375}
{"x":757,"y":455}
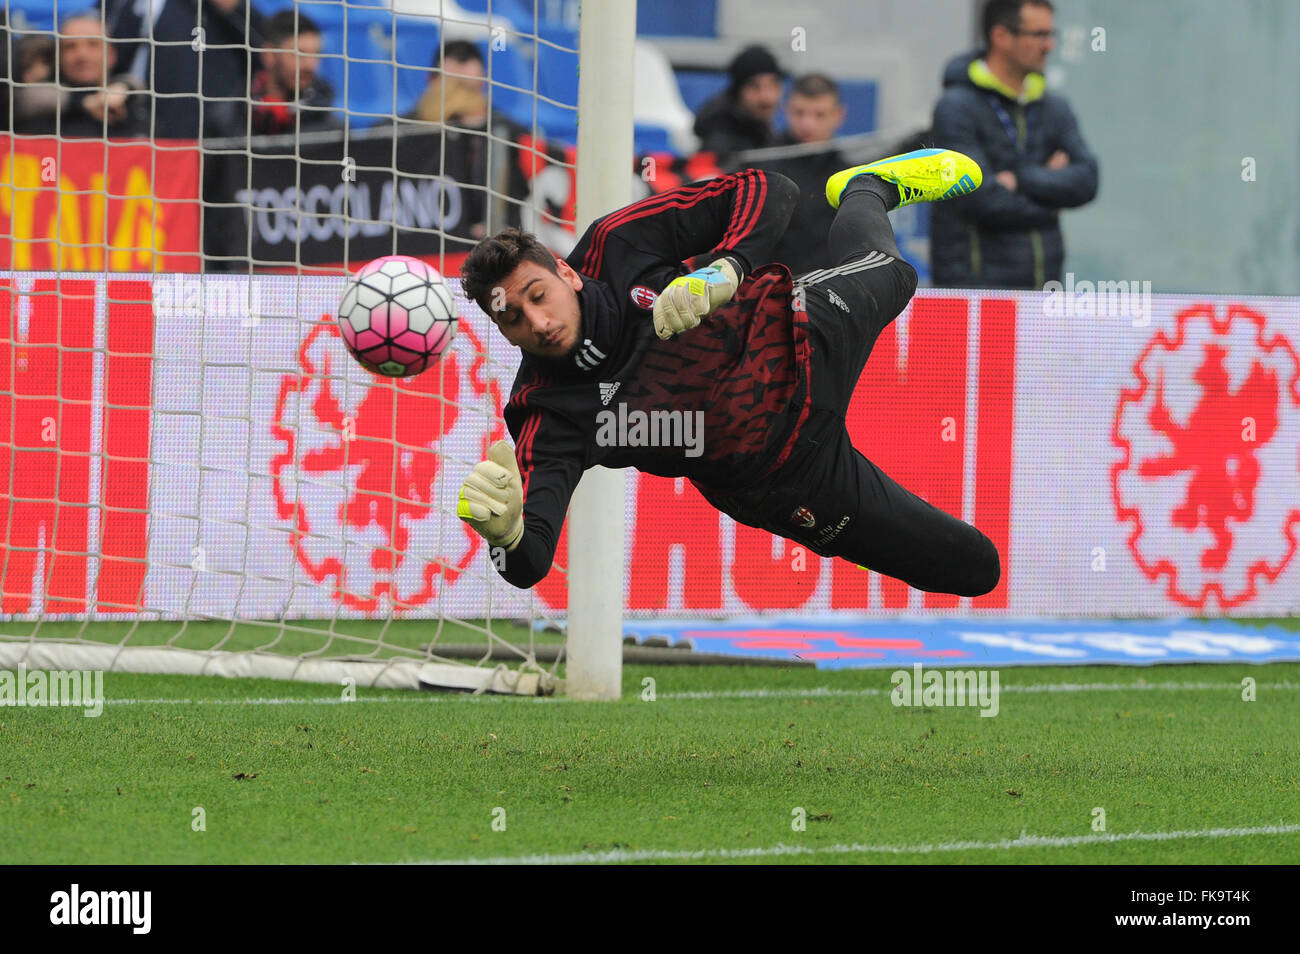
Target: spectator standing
{"x":740,"y":117}
{"x":288,"y":93}
{"x":88,"y":100}
{"x":814,"y":113}
{"x":996,"y":109}
{"x":199,"y":47}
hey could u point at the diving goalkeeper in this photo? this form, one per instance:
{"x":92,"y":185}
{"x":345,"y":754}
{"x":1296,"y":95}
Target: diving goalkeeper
{"x":667,"y":308}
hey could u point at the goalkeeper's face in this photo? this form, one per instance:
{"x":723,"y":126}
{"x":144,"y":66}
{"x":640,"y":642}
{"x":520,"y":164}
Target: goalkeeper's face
{"x":539,"y":309}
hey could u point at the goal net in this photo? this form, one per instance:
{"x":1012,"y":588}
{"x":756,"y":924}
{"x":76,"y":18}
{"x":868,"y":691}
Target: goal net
{"x":197,"y":477}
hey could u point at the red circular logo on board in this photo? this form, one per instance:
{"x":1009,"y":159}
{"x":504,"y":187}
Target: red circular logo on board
{"x":1209,"y":470}
{"x":372,"y":552}
{"x":643,"y":297}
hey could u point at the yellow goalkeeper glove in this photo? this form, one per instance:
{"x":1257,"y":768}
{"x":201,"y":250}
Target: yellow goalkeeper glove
{"x":492,"y":498}
{"x":689,"y":298}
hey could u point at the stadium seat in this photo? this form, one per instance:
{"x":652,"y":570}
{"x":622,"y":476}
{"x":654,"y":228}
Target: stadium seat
{"x":699,"y":86}
{"x":693,"y":18}
{"x":660,"y":112}
{"x":559,"y":15}
{"x":390,"y":59}
{"x":663,"y":123}
{"x":29,"y":15}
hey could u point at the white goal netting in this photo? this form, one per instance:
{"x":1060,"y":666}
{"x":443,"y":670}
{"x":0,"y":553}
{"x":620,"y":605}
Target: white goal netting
{"x":197,"y":477}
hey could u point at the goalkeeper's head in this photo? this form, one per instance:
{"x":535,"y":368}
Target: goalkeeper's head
{"x":530,"y":294}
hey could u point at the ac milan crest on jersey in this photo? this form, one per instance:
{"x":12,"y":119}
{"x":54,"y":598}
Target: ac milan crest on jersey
{"x":643,"y":297}
{"x":803,"y":517}
{"x":1209,"y":467}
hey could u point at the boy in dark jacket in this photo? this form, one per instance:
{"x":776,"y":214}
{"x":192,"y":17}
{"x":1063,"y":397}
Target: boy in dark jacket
{"x":740,"y":117}
{"x":814,"y":113}
{"x":995,"y":109}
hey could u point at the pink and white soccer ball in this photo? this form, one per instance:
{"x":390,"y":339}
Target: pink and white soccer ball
{"x":397,"y":316}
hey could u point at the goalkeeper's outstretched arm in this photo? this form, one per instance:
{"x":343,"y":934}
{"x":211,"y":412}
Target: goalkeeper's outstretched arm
{"x":517,"y":499}
{"x":738,"y":217}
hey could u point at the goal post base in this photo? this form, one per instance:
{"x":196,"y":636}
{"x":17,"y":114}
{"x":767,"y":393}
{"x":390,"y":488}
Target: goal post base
{"x":498,"y":680}
{"x":371,"y":673}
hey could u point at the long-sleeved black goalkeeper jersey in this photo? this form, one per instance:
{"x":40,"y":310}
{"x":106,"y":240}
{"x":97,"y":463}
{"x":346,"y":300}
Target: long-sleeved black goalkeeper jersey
{"x":712,"y":404}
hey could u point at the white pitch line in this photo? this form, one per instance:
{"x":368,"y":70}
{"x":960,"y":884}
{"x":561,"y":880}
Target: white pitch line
{"x":1041,"y":687}
{"x":778,"y":850}
{"x":813,"y":693}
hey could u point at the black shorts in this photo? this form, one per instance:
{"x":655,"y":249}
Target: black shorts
{"x":828,"y":497}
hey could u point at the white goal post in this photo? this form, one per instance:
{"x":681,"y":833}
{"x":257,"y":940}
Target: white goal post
{"x":596,"y":517}
{"x":255,"y":504}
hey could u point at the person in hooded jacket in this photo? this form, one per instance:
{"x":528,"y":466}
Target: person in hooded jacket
{"x":740,"y":117}
{"x":996,"y":109}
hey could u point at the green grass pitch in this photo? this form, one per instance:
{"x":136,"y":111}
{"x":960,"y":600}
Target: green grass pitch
{"x":719,"y":767}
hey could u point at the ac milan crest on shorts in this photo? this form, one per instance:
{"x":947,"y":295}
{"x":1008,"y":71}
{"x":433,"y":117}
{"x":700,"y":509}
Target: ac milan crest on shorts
{"x":804,"y":517}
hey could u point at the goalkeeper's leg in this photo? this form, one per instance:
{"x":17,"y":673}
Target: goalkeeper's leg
{"x":851,"y":301}
{"x":836,"y":502}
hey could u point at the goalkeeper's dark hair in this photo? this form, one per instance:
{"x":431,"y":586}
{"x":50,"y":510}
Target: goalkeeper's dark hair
{"x":1006,"y":13}
{"x":493,"y":259}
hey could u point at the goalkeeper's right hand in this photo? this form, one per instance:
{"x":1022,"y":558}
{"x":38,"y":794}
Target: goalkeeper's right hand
{"x":492,"y":498}
{"x":689,"y":298}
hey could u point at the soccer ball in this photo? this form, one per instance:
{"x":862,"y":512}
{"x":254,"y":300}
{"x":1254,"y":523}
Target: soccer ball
{"x":397,"y":316}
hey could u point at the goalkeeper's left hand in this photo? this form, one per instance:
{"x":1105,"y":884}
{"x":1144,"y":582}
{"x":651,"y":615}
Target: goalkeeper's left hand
{"x":689,"y":298}
{"x":492,"y":498}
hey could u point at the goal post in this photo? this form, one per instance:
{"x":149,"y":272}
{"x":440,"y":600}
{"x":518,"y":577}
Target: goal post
{"x":596,"y":516}
{"x":194,"y":476}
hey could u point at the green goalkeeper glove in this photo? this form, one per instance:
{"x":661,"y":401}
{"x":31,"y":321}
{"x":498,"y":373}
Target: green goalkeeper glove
{"x":492,"y":498}
{"x":689,"y":298}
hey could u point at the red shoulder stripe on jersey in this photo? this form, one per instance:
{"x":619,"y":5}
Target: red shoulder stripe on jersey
{"x":520,"y":400}
{"x":676,"y":204}
{"x":751,"y":193}
{"x":743,"y":224}
{"x":525,"y":450}
{"x":524,"y":447}
{"x":739,"y":206}
{"x":678,"y":198}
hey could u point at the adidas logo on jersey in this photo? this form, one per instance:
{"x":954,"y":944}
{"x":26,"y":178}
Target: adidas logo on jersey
{"x":607,"y":391}
{"x":837,"y":300}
